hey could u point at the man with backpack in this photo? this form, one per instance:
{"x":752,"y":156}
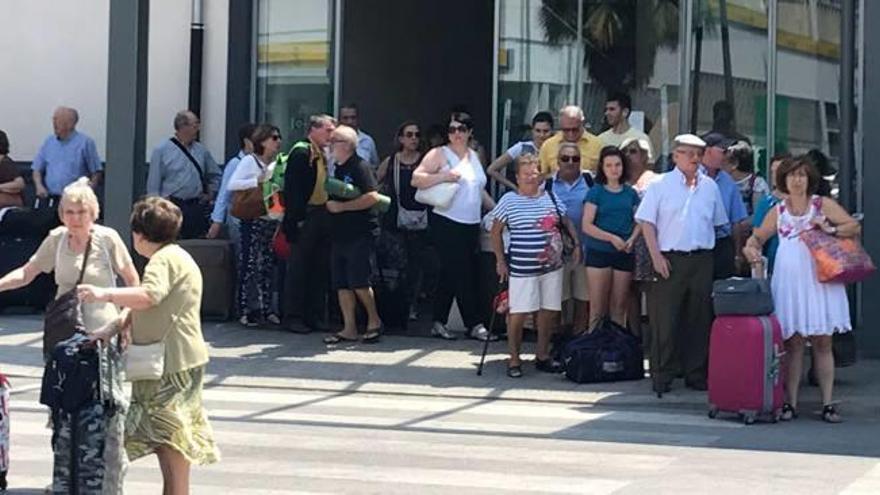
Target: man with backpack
{"x":307,"y":224}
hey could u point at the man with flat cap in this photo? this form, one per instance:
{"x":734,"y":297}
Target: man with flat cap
{"x":679,"y":214}
{"x":727,"y":236}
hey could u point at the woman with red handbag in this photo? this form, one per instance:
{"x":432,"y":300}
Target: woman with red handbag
{"x":808,"y":309}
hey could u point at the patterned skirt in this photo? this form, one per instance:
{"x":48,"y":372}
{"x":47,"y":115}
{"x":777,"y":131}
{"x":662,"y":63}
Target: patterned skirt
{"x":169,"y":412}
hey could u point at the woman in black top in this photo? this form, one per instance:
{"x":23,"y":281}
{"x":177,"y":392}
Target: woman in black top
{"x":407,"y":221}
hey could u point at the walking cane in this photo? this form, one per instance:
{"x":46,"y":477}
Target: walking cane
{"x":497,"y":301}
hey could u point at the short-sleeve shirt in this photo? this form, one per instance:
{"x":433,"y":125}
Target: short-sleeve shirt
{"x":685,"y":217}
{"x":351,"y":225}
{"x":8,"y":173}
{"x":733,"y":204}
{"x":589,"y":145}
{"x":535,"y":240}
{"x":108,"y":256}
{"x":573,"y":197}
{"x":614,"y":214}
{"x":174,"y":284}
{"x":64,"y":161}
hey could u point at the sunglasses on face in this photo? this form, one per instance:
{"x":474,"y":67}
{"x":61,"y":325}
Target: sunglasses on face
{"x":569,"y":159}
{"x":458,"y":128}
{"x":276,"y":137}
{"x":411,"y":134}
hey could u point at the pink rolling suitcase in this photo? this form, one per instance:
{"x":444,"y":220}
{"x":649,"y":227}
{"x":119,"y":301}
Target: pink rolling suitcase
{"x":744,"y":367}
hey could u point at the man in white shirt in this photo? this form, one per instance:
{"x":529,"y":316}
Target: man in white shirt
{"x":678,"y":215}
{"x":618,"y":106}
{"x":366,"y":146}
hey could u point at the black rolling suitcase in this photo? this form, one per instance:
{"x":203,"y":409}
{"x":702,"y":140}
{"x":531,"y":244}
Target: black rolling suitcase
{"x":215,"y":259}
{"x":14,"y":252}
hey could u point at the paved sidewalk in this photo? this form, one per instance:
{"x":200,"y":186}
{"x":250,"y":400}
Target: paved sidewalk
{"x":409,"y":415}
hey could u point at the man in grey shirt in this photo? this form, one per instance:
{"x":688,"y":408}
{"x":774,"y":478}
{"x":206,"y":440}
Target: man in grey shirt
{"x":183,"y":171}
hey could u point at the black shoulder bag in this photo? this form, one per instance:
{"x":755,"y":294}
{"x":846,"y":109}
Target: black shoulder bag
{"x":63,"y":316}
{"x":194,"y":163}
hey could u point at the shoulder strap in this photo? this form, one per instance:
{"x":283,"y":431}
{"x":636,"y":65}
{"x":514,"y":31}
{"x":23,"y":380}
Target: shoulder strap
{"x":588,"y":178}
{"x":395,"y":164}
{"x":192,"y":160}
{"x":548,"y":186}
{"x":82,"y":271}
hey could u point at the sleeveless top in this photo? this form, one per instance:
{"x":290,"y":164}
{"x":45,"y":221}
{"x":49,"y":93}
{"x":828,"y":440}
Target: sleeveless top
{"x":466,"y":204}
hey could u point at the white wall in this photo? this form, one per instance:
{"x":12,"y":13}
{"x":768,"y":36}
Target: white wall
{"x":53,"y":53}
{"x":62,"y":60}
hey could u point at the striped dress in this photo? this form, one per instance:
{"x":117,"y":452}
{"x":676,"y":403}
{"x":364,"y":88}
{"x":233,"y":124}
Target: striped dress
{"x":535,"y":240}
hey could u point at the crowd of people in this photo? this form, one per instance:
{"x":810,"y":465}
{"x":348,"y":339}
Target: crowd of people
{"x":590,"y":229}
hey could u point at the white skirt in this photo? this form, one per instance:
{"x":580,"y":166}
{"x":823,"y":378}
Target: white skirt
{"x":804,"y":305}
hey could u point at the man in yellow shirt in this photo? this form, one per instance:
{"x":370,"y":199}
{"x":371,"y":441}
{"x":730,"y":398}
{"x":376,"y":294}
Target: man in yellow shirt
{"x":571,"y":123}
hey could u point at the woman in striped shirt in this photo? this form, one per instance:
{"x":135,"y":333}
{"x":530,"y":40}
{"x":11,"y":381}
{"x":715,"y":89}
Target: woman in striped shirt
{"x":536,"y":221}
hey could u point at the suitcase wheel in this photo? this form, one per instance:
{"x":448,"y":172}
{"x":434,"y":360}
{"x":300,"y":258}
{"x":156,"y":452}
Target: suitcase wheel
{"x":713,"y":412}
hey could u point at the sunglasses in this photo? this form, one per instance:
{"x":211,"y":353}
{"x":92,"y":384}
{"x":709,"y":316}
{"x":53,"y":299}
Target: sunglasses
{"x":458,"y":128}
{"x":411,"y":134}
{"x":276,"y":137}
{"x":569,"y":159}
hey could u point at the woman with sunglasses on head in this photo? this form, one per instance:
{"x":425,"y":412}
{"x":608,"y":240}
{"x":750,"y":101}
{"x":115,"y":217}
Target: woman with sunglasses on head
{"x":455,"y":229}
{"x":407,"y":219}
{"x":256,"y":261}
{"x":641,"y":175}
{"x":611,"y":232}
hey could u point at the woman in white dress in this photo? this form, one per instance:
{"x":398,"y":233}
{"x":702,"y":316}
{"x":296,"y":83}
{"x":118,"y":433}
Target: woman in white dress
{"x":808,"y":310}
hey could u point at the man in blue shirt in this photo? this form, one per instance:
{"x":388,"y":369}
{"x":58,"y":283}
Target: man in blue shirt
{"x":727,"y":237}
{"x":183,"y":171}
{"x":366,"y":146}
{"x":220,"y":215}
{"x":570,"y":186}
{"x":65,"y":156}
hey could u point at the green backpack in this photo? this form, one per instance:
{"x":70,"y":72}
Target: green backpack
{"x":274,"y":187}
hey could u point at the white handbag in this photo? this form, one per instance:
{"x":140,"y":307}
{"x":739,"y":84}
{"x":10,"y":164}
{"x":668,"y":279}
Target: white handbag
{"x":439,"y":195}
{"x":145,"y":362}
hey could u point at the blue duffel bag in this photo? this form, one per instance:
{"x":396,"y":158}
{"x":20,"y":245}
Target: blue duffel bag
{"x":607,"y":354}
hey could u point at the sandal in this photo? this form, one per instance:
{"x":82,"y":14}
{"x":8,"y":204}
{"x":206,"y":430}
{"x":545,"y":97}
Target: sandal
{"x":337,"y":338}
{"x":372,"y":336}
{"x":830,"y":414}
{"x":788,"y":412}
{"x":515,"y":371}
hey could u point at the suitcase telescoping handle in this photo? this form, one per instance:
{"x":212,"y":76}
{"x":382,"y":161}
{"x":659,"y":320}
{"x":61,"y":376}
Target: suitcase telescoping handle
{"x":759,"y":268}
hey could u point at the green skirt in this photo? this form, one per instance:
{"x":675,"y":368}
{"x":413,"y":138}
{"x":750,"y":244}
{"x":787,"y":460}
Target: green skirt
{"x":169,"y":412}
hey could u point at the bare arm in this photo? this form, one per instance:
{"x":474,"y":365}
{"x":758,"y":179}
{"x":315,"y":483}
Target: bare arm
{"x":136,"y":298}
{"x":846,"y":225}
{"x":590,"y":228}
{"x":754,"y":244}
{"x":572,"y":231}
{"x":497,"y":168}
{"x":382,"y":170}
{"x":14,"y":186}
{"x":488,"y":202}
{"x":19,"y":277}
{"x":660,"y":263}
{"x":130,"y":276}
{"x":38,"y":184}
{"x":498,"y":250}
{"x":430,"y":172}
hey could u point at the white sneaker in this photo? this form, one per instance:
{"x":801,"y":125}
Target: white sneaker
{"x":440,"y":330}
{"x":480,"y":332}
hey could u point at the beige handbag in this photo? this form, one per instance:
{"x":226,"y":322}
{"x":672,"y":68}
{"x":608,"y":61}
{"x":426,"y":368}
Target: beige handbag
{"x":145,"y":362}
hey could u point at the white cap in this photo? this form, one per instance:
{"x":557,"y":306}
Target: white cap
{"x":643,"y":143}
{"x":689,"y":140}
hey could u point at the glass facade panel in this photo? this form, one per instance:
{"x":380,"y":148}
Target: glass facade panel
{"x":294,"y":63}
{"x":808,"y":53}
{"x":544,"y":65}
{"x":729,"y":67}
